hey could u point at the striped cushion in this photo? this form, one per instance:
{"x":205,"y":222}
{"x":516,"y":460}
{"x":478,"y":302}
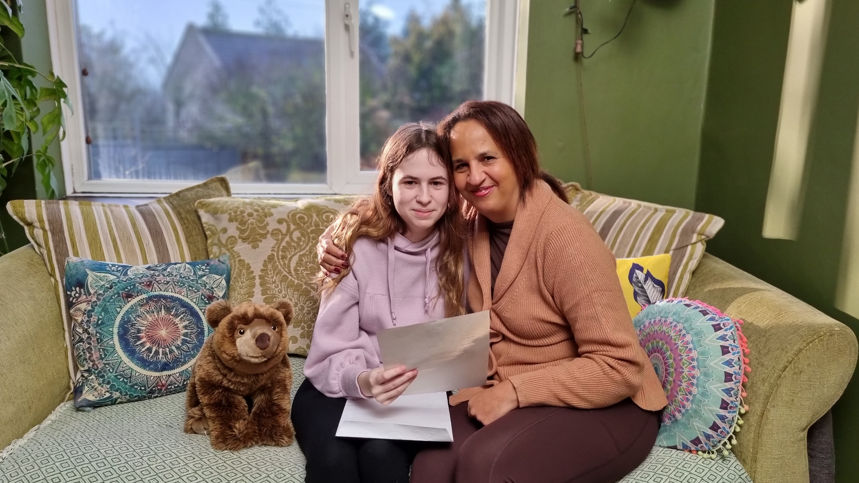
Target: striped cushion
{"x":634,"y":229}
{"x":161,"y":231}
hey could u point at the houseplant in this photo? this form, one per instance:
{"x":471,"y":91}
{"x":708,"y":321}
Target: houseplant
{"x":21,"y":102}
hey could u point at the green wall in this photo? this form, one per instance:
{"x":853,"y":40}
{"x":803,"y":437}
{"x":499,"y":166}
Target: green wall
{"x":738,"y":139}
{"x":36,"y":45}
{"x":643,"y":95}
{"x":35,"y":50}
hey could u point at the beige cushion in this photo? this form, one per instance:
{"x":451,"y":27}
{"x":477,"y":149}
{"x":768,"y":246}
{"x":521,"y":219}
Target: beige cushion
{"x":161,"y":231}
{"x":272,"y":248}
{"x":634,"y":229}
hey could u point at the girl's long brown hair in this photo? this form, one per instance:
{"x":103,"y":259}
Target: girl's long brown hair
{"x":377,"y":218}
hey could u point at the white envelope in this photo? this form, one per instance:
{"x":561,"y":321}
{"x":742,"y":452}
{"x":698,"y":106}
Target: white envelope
{"x":449,"y":354}
{"x":420,"y":417}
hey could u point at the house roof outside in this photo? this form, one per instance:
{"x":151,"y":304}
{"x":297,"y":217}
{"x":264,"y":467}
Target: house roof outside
{"x":242,"y":52}
{"x":251,"y":49}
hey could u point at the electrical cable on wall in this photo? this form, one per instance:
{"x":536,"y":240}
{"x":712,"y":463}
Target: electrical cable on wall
{"x":581,"y":29}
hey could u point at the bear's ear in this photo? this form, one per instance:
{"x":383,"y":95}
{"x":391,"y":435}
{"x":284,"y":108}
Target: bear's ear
{"x":285,"y":308}
{"x":217,"y":312}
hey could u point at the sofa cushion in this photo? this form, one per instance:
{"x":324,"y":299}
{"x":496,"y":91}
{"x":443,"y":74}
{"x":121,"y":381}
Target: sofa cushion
{"x":700,"y":356}
{"x":665,"y":465}
{"x":141,"y":441}
{"x":137,"y":330}
{"x":272,"y":248}
{"x":161,"y":231}
{"x":144,"y":441}
{"x":634,"y":228}
{"x":644,"y":280}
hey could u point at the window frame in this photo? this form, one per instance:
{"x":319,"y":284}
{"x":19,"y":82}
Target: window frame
{"x":343,"y":171}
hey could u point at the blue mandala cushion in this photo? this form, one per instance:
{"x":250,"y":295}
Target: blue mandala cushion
{"x":700,"y":355}
{"x":137,"y":330}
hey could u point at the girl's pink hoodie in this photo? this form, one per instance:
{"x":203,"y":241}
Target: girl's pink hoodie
{"x":392,"y":283}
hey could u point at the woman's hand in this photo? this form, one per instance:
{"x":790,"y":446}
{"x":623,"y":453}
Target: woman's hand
{"x":331,"y":258}
{"x":386,"y":385}
{"x":490,"y":404}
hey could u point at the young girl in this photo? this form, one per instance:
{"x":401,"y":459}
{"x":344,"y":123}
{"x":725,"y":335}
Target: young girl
{"x":406,"y":248}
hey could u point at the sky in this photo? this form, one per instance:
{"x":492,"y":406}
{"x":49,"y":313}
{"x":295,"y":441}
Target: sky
{"x":164,"y":21}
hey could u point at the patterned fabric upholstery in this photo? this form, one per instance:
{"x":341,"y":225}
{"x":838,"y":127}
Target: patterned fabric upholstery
{"x":161,"y":231}
{"x":665,"y":465}
{"x":143,"y":441}
{"x":700,"y":355}
{"x":634,"y":229}
{"x":272,"y":248}
{"x":138,"y":329}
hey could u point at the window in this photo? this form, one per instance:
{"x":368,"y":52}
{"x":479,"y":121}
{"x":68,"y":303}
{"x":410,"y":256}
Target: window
{"x":281,"y":96}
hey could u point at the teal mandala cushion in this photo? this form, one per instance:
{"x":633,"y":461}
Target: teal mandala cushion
{"x":137,"y":330}
{"x":700,"y":355}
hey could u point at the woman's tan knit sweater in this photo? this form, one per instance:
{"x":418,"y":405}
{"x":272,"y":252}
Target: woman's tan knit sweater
{"x":560,"y":330}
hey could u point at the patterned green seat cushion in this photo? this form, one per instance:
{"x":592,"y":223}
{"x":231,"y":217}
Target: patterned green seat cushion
{"x":143,"y":441}
{"x":272,"y":249}
{"x":664,"y":465}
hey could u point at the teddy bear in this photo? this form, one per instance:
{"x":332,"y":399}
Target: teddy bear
{"x":240,"y":384}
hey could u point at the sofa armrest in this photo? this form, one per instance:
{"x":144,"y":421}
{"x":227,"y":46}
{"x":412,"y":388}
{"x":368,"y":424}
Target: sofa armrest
{"x":35,"y":374}
{"x":802,"y":361}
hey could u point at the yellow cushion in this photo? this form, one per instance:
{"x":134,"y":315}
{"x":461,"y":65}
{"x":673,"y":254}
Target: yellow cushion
{"x":644,"y":280}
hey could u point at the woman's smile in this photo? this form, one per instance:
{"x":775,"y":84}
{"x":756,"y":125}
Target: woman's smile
{"x":482,"y":191}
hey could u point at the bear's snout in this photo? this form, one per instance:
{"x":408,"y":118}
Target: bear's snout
{"x":263,"y":340}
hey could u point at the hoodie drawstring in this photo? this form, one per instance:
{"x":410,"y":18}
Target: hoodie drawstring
{"x":426,"y":283}
{"x":392,"y":260}
{"x":391,"y":271}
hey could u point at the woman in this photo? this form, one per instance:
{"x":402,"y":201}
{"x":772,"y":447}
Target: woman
{"x":570,"y":396}
{"x":407,"y":269}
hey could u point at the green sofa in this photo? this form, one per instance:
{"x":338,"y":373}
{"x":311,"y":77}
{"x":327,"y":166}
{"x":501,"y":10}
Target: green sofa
{"x":791,"y":343}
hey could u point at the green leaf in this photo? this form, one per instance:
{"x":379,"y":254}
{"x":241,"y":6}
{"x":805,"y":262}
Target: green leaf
{"x":45,"y":166}
{"x":7,"y":19}
{"x":5,"y":82}
{"x":9,"y":119}
{"x":59,"y":84}
{"x":51,"y":120}
{"x":33,"y":126}
{"x":8,"y":8}
{"x":47,"y":94}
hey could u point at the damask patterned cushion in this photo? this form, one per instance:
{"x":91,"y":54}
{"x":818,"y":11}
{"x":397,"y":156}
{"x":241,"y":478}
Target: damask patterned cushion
{"x":161,"y":231}
{"x":272,"y":248}
{"x":700,"y":356}
{"x":144,"y":442}
{"x":634,"y":229}
{"x":137,"y":330}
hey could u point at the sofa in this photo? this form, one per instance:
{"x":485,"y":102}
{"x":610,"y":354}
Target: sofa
{"x":46,"y":439}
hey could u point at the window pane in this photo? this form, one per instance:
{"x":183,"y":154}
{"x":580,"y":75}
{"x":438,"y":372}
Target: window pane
{"x":419,"y":60}
{"x":186,"y":90}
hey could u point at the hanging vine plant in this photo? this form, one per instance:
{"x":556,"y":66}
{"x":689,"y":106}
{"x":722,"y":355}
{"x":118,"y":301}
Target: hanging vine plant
{"x":21,"y":103}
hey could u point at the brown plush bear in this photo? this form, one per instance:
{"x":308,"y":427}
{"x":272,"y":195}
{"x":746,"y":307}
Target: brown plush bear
{"x":239,"y":387}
